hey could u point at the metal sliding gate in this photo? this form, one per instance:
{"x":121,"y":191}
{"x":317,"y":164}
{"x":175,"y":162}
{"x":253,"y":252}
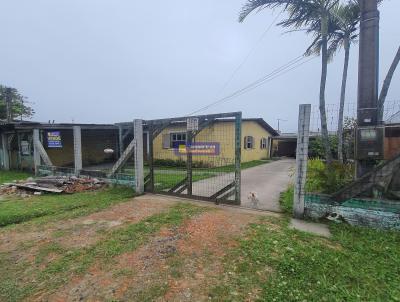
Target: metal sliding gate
{"x":196,"y":157}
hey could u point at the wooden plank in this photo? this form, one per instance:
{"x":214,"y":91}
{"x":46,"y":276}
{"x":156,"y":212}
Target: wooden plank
{"x":380,"y":175}
{"x":124,"y":158}
{"x":34,"y":187}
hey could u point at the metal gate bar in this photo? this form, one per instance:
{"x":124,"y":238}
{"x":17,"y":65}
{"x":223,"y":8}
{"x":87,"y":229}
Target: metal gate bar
{"x":185,"y":186}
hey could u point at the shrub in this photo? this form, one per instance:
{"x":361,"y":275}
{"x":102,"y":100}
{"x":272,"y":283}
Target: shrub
{"x":316,"y":147}
{"x":179,"y":163}
{"x":323,"y":178}
{"x":286,"y":200}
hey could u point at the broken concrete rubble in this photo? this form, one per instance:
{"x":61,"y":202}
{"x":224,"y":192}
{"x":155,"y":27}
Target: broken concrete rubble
{"x":51,"y":184}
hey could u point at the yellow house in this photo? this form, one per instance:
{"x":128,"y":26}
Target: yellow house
{"x":219,"y":136}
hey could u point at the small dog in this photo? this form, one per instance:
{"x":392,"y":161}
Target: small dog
{"x":253,"y":199}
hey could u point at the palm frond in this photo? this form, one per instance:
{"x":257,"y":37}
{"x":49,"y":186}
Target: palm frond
{"x":258,"y":5}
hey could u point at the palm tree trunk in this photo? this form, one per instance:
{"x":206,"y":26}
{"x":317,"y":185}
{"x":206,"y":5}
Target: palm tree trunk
{"x":346,"y":43}
{"x":324,"y":73}
{"x":386,"y":85}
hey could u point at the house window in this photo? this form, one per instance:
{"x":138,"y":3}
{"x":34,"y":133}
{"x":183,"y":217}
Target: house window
{"x":177,"y":139}
{"x":248,"y":142}
{"x":263,"y":143}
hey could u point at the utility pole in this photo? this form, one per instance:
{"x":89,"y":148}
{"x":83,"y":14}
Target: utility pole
{"x":8,"y":100}
{"x":368,"y":75}
{"x":280,"y":120}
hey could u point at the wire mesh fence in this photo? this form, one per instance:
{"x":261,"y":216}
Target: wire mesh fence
{"x":362,"y":192}
{"x":197,"y":161}
{"x":349,"y":111}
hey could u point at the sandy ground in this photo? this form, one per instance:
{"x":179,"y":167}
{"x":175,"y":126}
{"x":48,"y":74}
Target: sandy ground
{"x":177,"y":264}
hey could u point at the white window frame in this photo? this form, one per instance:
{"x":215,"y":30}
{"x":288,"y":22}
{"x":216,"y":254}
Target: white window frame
{"x":177,"y":137}
{"x":249,"y":142}
{"x":264,"y":143}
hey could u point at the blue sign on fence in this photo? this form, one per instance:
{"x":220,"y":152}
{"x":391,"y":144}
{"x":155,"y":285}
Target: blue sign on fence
{"x":54,"y":139}
{"x":198,"y":148}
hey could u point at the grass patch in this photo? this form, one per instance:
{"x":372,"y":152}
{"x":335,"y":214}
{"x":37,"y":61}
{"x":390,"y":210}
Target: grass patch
{"x":9,"y":176}
{"x":168,"y":177}
{"x":167,"y":180}
{"x":150,"y":294}
{"x":286,"y":200}
{"x":25,"y":279}
{"x":356,"y":264}
{"x":21,"y":210}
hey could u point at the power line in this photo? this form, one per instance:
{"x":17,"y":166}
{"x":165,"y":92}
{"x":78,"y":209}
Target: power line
{"x":265,"y":79}
{"x":248,"y":54}
{"x":270,"y":79}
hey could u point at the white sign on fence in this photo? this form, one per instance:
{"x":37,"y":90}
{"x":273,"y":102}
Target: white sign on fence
{"x":192,"y":124}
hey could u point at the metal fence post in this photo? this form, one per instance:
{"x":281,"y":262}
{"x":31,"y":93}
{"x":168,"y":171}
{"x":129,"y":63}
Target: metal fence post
{"x":301,"y":159}
{"x":77,"y":149}
{"x":120,"y":141}
{"x":138,"y":154}
{"x":36,"y":154}
{"x":150,"y":159}
{"x":238,"y":151}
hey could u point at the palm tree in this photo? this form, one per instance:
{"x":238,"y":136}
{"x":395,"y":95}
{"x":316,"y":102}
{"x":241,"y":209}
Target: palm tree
{"x":313,"y":16}
{"x":346,"y":19}
{"x":386,"y":84}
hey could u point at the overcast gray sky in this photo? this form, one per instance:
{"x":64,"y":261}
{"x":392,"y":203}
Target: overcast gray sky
{"x":106,"y":61}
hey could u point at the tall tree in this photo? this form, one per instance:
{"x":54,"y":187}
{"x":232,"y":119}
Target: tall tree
{"x":19,"y":107}
{"x":386,"y":84}
{"x":346,"y":19}
{"x":310,"y":15}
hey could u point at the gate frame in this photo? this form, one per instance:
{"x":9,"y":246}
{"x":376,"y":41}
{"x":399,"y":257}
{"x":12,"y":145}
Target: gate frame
{"x":155,"y":127}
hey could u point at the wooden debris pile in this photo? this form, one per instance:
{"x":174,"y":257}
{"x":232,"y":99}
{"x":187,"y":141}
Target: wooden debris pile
{"x":51,"y":184}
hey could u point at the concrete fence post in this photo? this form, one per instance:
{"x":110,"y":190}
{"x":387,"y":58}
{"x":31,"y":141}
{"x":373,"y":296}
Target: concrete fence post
{"x":138,"y":154}
{"x":36,"y":153}
{"x":77,"y":149}
{"x":5,"y":157}
{"x":301,"y":160}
